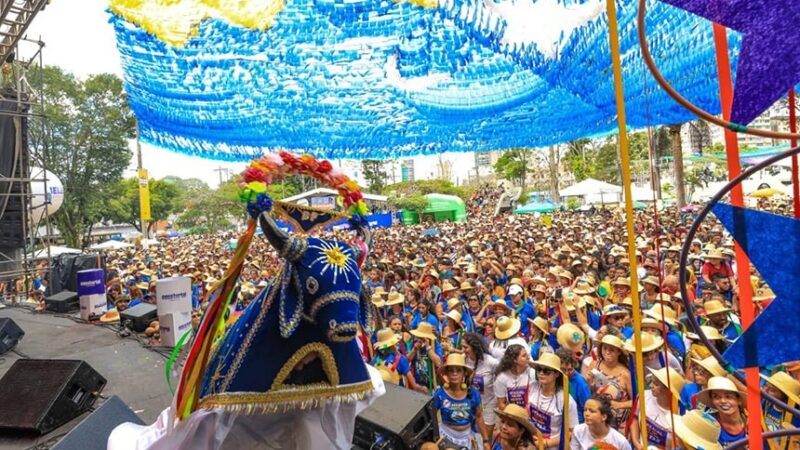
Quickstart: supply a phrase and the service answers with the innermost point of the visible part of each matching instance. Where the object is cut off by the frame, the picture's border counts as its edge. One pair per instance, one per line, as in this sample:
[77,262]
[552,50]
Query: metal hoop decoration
[651,65]
[277,166]
[685,292]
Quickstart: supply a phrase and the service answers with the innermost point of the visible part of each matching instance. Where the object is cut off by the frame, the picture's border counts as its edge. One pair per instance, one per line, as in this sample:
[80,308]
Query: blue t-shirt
[688,393]
[580,391]
[675,342]
[457,412]
[524,312]
[430,318]
[732,331]
[402,367]
[726,438]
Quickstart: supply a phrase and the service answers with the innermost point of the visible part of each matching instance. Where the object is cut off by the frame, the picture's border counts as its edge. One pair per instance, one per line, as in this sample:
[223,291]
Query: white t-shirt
[659,422]
[514,388]
[546,412]
[674,364]
[498,348]
[582,439]
[483,380]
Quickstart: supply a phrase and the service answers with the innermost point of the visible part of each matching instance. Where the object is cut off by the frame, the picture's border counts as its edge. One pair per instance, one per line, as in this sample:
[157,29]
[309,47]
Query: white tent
[642,194]
[55,250]
[594,191]
[111,245]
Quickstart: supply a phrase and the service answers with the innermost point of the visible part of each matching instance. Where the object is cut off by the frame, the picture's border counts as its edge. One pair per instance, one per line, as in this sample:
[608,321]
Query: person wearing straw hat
[718,316]
[782,386]
[515,431]
[722,396]
[514,376]
[611,378]
[425,355]
[701,371]
[653,354]
[618,316]
[453,331]
[540,332]
[715,264]
[547,401]
[424,314]
[661,402]
[697,430]
[483,373]
[459,406]
[665,314]
[596,428]
[392,365]
[506,333]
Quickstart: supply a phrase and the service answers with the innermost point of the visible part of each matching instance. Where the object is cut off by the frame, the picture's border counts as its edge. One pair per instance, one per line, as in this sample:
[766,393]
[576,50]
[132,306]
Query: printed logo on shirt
[518,396]
[477,381]
[541,419]
[656,435]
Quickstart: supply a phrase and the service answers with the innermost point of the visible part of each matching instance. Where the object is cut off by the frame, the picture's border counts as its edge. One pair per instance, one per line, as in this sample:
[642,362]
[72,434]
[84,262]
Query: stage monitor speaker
[64,270]
[14,164]
[40,395]
[10,334]
[63,302]
[139,317]
[401,419]
[92,433]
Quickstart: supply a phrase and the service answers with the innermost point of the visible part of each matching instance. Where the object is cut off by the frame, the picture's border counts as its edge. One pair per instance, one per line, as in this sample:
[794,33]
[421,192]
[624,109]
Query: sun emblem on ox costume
[336,259]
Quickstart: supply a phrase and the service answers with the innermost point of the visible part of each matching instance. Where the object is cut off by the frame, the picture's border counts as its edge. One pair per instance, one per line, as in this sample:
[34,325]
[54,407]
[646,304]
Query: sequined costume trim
[325,300]
[323,352]
[344,332]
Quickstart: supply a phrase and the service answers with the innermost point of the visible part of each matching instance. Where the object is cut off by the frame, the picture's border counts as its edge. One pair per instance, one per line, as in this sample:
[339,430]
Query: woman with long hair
[515,431]
[459,406]
[611,378]
[598,415]
[483,367]
[547,407]
[661,402]
[513,377]
[399,327]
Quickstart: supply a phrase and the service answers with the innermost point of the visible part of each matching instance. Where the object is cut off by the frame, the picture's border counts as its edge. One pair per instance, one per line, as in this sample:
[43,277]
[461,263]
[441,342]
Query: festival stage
[134,373]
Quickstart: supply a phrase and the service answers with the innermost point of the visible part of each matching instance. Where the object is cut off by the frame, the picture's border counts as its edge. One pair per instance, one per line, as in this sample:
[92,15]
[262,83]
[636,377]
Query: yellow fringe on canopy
[176,21]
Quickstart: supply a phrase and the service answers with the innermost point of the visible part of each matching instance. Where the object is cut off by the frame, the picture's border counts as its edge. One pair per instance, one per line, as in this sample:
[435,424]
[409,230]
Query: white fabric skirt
[467,438]
[329,427]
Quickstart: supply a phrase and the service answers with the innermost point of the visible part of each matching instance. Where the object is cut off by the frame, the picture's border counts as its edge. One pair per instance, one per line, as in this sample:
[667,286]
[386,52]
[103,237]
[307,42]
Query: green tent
[440,208]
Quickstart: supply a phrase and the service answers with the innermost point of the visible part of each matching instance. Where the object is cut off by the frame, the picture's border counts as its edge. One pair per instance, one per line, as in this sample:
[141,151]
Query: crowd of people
[521,332]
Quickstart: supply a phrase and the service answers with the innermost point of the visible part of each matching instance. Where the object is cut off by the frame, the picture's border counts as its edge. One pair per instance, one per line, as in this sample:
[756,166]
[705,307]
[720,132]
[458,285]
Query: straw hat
[395,298]
[517,414]
[613,310]
[455,315]
[698,430]
[675,383]
[651,280]
[515,281]
[711,365]
[786,383]
[649,322]
[424,330]
[386,338]
[550,361]
[715,307]
[471,270]
[500,302]
[570,336]
[419,262]
[649,343]
[540,323]
[447,287]
[712,334]
[434,274]
[540,288]
[110,316]
[719,384]
[379,290]
[614,341]
[763,294]
[669,315]
[714,254]
[377,300]
[456,360]
[466,286]
[506,327]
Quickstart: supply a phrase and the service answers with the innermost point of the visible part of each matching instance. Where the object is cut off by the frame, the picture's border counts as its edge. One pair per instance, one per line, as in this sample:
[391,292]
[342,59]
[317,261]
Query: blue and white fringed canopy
[230,79]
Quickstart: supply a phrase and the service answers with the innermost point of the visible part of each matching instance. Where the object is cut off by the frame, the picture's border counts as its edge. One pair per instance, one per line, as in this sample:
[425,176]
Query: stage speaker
[10,334]
[139,317]
[40,395]
[401,419]
[92,433]
[14,164]
[64,270]
[63,302]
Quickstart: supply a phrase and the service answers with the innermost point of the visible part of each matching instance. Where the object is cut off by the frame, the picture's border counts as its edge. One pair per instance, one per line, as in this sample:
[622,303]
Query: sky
[79,39]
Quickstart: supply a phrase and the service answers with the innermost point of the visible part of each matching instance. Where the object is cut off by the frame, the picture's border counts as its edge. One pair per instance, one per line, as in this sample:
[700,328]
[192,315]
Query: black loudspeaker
[139,317]
[14,160]
[10,334]
[64,270]
[63,302]
[401,419]
[92,433]
[40,395]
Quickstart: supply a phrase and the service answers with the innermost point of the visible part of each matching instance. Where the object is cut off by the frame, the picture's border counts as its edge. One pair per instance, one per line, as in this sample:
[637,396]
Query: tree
[165,198]
[578,162]
[375,174]
[677,156]
[411,203]
[513,166]
[422,187]
[86,136]
[212,210]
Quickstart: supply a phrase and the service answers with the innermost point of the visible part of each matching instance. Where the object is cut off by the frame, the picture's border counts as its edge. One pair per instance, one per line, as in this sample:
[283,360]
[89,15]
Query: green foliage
[212,210]
[523,199]
[375,174]
[715,149]
[165,198]
[572,203]
[668,189]
[412,203]
[513,165]
[422,187]
[86,134]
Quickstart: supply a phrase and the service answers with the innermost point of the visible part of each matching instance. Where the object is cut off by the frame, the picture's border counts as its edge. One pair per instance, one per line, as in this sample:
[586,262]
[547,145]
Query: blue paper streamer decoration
[387,79]
[772,243]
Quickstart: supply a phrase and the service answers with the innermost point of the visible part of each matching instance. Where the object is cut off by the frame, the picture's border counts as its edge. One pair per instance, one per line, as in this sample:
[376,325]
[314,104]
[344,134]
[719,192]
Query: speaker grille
[30,388]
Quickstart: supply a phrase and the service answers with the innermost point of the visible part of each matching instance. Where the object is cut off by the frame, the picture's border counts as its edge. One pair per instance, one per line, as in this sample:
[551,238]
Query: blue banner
[380,220]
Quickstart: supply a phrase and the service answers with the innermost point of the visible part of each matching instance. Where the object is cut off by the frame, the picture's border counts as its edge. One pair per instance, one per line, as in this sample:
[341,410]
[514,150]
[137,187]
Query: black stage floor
[134,373]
